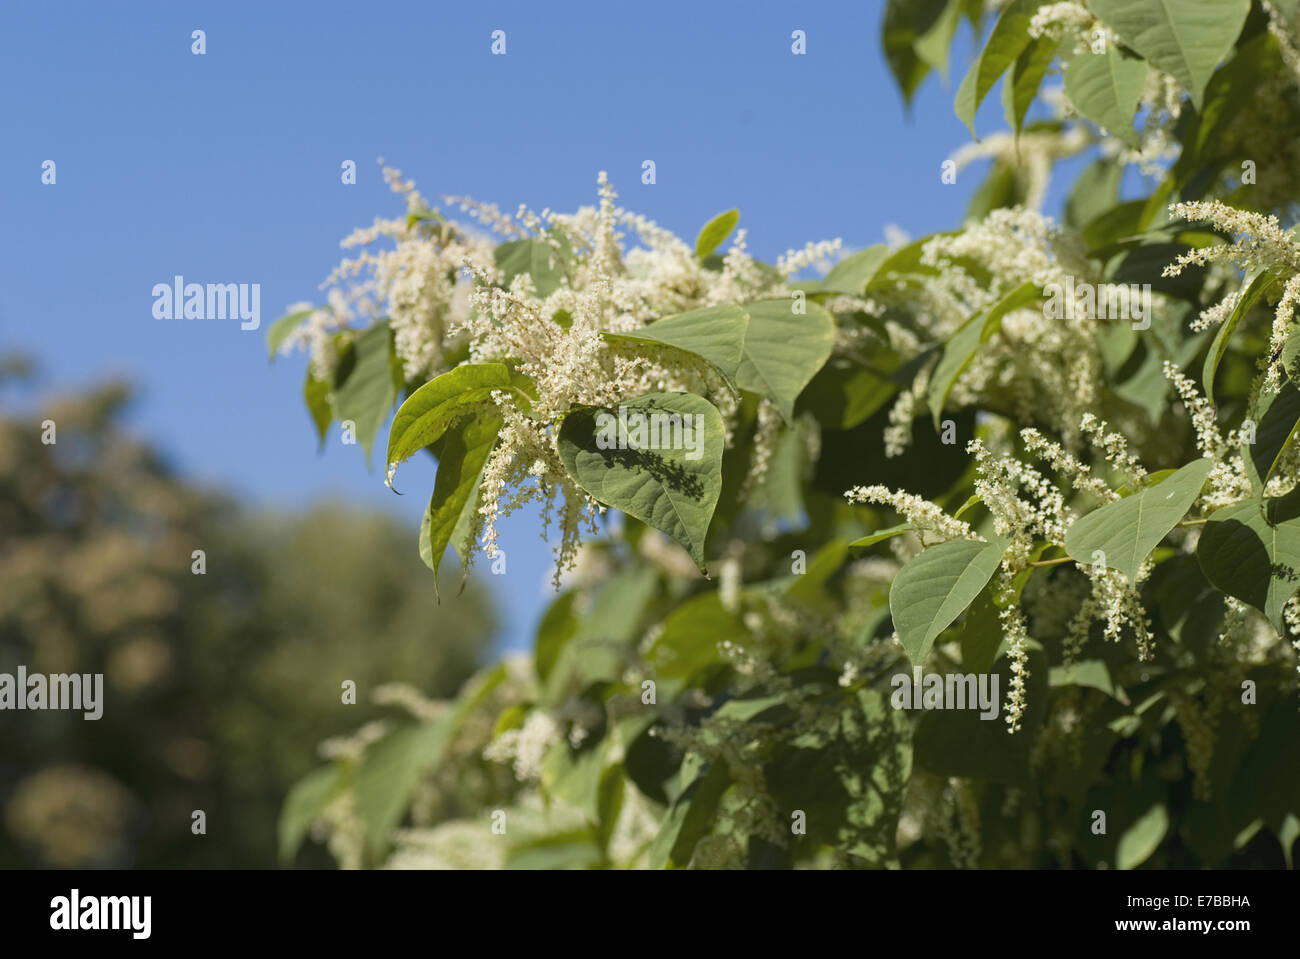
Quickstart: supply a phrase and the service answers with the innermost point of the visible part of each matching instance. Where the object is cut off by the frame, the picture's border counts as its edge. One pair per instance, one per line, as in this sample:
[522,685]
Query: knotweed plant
[1051,451]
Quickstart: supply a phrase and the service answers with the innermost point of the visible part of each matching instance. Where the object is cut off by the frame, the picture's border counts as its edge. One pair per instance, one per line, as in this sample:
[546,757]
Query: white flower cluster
[1057,20]
[448,301]
[934,525]
[526,747]
[1258,242]
[1043,367]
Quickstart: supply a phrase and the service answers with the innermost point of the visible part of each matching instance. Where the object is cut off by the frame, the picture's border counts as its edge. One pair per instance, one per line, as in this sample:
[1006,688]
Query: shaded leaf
[462,453]
[1251,550]
[675,490]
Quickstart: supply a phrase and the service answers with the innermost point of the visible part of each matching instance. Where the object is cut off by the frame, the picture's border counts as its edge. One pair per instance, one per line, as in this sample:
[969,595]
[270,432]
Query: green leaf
[689,819]
[390,769]
[1113,224]
[609,802]
[435,406]
[934,37]
[1006,42]
[933,589]
[559,625]
[981,635]
[1001,188]
[572,849]
[1093,673]
[970,336]
[1105,88]
[419,216]
[1095,192]
[279,331]
[305,801]
[1229,93]
[905,22]
[907,260]
[1290,358]
[1251,550]
[600,646]
[573,775]
[1252,288]
[1128,529]
[884,534]
[1278,417]
[1140,839]
[537,258]
[316,394]
[716,334]
[808,587]
[366,391]
[1026,76]
[843,394]
[680,651]
[1185,38]
[715,232]
[784,350]
[675,490]
[388,774]
[749,709]
[852,274]
[462,452]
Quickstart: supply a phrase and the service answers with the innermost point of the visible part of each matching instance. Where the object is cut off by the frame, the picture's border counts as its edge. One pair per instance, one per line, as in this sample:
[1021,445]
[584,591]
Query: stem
[1053,562]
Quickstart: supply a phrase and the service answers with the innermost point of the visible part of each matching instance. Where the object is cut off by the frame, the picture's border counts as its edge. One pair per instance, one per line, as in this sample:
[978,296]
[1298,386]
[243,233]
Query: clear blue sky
[225,168]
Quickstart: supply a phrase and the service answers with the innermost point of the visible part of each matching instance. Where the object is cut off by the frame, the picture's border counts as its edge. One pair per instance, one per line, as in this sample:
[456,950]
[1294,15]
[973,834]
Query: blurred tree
[216,686]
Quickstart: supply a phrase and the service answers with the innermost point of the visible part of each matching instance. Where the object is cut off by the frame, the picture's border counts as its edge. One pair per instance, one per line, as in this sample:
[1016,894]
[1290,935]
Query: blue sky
[225,168]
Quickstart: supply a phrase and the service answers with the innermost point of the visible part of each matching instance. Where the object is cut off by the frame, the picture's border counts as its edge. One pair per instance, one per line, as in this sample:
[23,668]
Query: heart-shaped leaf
[784,350]
[933,589]
[658,458]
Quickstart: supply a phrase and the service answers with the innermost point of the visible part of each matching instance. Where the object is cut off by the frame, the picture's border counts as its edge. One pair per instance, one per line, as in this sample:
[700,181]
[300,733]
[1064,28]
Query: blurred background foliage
[217,687]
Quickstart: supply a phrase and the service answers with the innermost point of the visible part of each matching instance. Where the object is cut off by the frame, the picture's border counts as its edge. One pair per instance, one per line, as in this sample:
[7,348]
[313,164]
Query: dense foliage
[1054,451]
